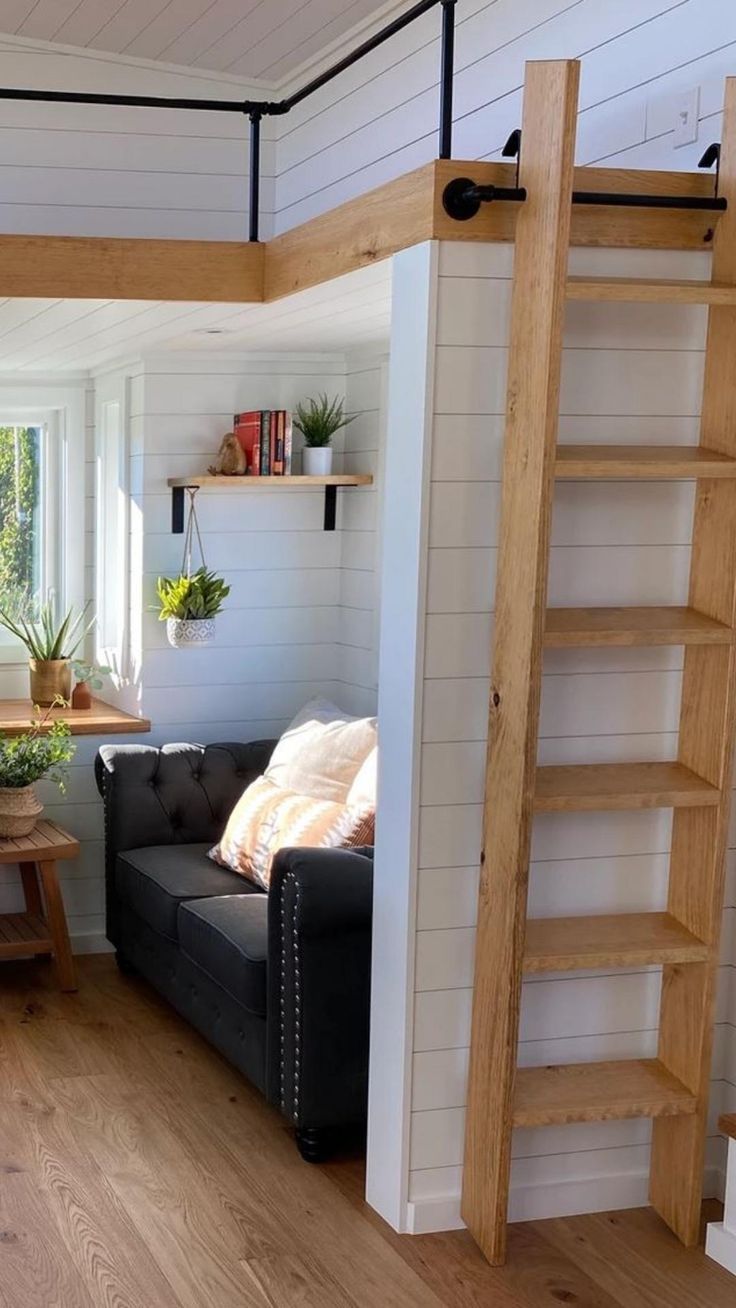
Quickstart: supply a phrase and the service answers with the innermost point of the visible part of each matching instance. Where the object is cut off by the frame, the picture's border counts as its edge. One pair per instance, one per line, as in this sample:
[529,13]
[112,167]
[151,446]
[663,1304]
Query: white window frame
[61,410]
[112,521]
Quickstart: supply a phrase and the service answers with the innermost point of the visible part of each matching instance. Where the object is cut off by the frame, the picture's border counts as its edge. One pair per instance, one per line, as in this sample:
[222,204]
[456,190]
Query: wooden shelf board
[17,715]
[577,787]
[23,933]
[650,462]
[243,482]
[566,628]
[565,944]
[598,1092]
[649,290]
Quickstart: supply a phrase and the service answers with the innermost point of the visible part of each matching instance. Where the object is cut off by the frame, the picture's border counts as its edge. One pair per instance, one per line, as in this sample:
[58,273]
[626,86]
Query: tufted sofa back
[179,794]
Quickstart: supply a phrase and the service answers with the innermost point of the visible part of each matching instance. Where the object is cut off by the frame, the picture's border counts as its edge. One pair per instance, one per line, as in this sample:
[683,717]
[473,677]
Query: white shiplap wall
[110,171]
[631,373]
[279,639]
[379,119]
[363,445]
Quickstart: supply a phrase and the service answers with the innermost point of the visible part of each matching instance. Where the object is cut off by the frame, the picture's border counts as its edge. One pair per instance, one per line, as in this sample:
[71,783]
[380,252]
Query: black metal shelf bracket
[178,501]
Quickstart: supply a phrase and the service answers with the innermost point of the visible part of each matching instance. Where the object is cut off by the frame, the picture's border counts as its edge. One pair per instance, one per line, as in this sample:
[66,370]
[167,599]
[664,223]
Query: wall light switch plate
[686,117]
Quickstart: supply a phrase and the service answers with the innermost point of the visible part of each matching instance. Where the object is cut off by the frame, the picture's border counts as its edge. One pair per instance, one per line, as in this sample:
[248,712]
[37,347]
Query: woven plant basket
[19,811]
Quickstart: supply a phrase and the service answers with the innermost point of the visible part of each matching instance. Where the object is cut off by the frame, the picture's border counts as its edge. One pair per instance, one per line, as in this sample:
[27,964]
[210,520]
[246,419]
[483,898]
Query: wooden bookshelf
[213,481]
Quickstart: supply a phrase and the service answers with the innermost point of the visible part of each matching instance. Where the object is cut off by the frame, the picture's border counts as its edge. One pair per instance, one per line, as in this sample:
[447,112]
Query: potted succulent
[43,750]
[318,420]
[188,606]
[51,643]
[87,677]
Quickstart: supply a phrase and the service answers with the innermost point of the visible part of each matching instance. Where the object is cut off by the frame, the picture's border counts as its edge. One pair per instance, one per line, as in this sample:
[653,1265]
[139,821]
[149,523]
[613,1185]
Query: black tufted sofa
[279,983]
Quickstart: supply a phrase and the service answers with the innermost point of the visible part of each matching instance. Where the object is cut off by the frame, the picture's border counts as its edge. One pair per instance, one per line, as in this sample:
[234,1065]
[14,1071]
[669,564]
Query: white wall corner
[401,658]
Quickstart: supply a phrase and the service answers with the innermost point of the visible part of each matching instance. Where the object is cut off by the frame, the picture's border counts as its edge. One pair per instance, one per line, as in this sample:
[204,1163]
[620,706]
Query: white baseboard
[566,1198]
[91,942]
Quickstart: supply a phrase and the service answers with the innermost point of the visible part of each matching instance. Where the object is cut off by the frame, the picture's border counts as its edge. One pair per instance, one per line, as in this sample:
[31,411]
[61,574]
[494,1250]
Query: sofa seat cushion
[153,882]
[228,938]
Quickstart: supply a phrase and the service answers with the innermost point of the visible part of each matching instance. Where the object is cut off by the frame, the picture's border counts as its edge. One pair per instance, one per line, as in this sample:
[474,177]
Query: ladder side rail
[706,734]
[535,355]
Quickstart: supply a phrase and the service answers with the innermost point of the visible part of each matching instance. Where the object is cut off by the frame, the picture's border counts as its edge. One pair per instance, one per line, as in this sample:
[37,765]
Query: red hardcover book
[247,428]
[278,463]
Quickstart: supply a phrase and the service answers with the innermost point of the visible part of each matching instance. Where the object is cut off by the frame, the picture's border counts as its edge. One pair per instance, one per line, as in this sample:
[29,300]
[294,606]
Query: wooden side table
[36,932]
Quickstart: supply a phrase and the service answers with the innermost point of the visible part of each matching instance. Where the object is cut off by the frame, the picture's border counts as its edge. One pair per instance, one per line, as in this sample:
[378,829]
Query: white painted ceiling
[248,38]
[77,335]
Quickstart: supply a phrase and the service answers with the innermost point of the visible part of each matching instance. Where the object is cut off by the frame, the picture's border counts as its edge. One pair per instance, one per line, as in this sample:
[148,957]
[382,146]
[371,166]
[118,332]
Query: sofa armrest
[179,794]
[319,952]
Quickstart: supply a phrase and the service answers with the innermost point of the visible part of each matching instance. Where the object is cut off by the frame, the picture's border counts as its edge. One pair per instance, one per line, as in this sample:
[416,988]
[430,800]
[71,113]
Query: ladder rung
[651,462]
[598,1092]
[574,787]
[633,626]
[564,944]
[650,290]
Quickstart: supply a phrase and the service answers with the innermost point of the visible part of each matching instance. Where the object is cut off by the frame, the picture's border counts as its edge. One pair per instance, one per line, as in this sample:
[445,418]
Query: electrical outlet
[686,117]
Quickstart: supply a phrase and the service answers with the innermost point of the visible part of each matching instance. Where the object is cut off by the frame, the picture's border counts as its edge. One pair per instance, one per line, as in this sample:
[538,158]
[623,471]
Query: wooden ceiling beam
[363,231]
[106,268]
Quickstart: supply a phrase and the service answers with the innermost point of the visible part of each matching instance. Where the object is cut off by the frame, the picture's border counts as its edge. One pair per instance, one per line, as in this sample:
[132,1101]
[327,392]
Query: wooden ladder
[672,1088]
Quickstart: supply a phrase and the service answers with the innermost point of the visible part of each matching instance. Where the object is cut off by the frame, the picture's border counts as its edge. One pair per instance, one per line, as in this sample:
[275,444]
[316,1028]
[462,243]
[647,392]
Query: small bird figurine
[231,461]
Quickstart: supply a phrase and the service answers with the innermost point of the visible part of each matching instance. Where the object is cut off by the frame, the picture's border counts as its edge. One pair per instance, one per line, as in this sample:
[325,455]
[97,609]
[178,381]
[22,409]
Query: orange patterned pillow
[267,818]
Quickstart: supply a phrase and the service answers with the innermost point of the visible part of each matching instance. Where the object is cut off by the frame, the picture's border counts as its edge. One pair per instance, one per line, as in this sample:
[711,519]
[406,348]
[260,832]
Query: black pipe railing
[257,110]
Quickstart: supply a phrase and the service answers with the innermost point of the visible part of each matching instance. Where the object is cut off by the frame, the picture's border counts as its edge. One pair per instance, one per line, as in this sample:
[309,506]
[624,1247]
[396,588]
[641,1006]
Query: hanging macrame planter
[186,633]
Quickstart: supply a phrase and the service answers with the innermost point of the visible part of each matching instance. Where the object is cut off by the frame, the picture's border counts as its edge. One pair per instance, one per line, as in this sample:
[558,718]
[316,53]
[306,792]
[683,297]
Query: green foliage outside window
[19,492]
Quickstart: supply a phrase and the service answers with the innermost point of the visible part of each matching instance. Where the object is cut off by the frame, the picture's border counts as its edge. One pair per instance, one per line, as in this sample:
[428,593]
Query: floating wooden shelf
[564,944]
[650,462]
[598,1092]
[17,715]
[650,291]
[576,787]
[238,483]
[567,628]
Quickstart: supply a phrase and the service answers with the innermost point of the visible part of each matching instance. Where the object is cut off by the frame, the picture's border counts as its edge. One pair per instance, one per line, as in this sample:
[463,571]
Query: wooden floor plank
[164,1180]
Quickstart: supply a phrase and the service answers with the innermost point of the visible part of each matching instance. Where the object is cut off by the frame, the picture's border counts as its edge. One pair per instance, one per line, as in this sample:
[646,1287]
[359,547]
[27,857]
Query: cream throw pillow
[268,818]
[322,751]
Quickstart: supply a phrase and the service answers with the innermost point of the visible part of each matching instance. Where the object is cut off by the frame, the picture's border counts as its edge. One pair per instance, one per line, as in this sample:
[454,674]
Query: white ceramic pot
[317,460]
[184,633]
[19,811]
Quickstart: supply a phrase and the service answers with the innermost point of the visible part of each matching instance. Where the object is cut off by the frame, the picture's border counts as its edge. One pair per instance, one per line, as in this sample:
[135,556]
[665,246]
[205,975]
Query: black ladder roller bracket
[462,197]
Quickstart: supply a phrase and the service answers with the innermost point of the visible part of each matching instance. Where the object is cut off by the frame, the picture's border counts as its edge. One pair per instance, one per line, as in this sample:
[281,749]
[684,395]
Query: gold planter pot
[50,678]
[19,811]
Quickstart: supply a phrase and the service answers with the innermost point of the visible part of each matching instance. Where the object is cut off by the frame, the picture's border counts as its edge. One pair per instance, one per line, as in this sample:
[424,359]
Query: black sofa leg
[124,964]
[315,1144]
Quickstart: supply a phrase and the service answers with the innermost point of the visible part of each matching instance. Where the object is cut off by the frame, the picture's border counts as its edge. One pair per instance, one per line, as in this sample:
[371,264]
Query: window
[113,521]
[41,502]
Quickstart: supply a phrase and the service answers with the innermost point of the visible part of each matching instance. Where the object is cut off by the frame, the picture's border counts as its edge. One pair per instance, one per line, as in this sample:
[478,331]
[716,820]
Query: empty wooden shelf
[598,1092]
[563,944]
[567,628]
[652,291]
[644,462]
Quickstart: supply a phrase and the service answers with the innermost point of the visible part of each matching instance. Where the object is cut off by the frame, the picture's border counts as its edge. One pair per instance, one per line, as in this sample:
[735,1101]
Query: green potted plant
[43,750]
[189,605]
[318,420]
[87,677]
[51,643]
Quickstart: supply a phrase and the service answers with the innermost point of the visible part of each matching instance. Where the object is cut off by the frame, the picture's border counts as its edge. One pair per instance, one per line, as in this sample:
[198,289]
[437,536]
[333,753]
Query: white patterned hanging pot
[187,633]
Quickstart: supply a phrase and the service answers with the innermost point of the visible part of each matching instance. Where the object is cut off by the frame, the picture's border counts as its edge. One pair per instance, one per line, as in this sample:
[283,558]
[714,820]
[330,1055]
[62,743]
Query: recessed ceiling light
[213,331]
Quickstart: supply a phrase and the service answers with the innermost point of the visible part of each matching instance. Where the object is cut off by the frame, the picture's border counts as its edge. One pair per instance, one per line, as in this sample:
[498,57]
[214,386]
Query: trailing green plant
[318,420]
[89,673]
[35,625]
[189,598]
[41,751]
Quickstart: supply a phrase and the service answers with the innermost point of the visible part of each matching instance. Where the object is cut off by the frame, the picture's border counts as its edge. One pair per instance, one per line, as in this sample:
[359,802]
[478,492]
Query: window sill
[16,716]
